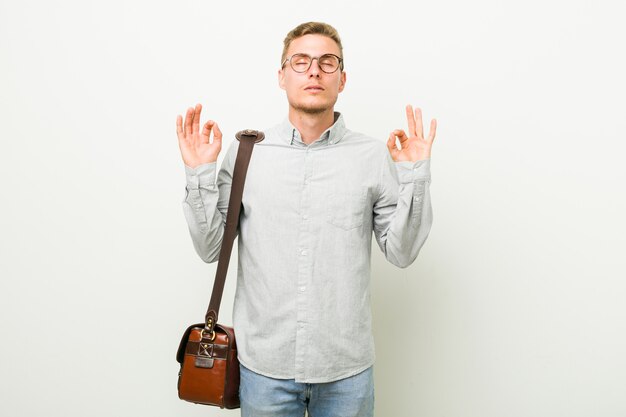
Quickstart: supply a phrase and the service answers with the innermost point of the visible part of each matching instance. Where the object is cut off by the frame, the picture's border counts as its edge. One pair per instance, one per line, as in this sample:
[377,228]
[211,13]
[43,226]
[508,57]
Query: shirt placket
[304,269]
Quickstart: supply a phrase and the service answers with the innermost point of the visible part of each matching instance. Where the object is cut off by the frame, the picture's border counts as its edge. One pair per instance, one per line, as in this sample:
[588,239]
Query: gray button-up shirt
[302,301]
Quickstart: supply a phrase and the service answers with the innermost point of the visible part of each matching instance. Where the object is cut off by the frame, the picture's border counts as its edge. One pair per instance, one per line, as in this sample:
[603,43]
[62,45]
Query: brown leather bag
[209,369]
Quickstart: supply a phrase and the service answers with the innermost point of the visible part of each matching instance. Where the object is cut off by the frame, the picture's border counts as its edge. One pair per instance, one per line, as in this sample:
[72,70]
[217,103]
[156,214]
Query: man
[314,193]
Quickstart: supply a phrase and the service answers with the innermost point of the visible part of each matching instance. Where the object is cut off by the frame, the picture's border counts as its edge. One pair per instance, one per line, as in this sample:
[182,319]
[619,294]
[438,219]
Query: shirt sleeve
[403,212]
[206,203]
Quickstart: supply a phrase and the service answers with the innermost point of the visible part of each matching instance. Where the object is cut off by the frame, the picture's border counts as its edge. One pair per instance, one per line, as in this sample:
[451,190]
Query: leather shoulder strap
[247,138]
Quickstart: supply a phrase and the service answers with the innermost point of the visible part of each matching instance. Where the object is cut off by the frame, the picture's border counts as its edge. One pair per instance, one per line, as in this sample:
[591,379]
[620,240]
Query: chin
[313,108]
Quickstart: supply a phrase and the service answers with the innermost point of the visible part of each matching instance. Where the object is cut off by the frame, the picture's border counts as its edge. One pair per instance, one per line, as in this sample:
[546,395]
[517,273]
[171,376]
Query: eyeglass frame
[340,66]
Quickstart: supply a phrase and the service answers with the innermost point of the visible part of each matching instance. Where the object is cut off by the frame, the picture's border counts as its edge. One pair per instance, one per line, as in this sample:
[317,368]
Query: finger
[401,136]
[433,130]
[188,120]
[419,128]
[196,120]
[179,127]
[410,119]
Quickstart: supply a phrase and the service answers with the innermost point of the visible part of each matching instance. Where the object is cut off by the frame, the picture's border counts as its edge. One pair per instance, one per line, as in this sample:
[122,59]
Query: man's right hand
[194,144]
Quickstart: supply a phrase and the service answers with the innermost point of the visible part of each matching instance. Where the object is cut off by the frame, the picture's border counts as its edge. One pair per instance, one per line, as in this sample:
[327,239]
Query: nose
[314,69]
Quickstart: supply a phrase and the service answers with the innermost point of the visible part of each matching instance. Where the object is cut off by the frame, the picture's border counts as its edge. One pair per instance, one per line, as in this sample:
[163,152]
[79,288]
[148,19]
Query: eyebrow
[304,53]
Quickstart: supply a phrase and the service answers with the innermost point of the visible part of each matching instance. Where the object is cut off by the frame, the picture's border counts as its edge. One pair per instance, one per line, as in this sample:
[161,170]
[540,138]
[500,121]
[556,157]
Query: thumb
[217,133]
[391,143]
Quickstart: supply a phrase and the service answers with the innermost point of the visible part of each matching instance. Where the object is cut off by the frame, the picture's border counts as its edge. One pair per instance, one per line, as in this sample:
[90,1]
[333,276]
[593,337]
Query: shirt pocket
[346,209]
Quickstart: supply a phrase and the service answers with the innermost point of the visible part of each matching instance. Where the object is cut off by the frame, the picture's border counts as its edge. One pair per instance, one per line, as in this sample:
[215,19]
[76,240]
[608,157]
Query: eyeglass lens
[327,63]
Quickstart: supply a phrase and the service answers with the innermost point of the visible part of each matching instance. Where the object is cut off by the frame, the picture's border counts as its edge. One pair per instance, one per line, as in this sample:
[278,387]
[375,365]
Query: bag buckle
[210,337]
[257,134]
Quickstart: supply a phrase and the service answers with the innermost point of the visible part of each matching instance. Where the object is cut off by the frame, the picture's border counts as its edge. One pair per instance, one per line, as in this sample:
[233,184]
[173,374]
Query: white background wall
[515,306]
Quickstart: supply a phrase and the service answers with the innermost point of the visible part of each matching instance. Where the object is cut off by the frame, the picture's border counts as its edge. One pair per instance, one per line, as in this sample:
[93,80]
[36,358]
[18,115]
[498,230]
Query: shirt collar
[330,136]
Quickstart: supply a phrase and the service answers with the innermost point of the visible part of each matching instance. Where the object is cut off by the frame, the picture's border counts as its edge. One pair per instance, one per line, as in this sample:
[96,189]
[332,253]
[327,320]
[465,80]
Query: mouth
[314,88]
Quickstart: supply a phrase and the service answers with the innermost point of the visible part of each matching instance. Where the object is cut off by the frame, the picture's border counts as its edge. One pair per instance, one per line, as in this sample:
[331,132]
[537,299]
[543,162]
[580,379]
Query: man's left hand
[413,147]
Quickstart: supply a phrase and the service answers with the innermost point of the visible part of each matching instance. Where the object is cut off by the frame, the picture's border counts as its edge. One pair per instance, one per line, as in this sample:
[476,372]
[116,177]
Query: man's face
[299,86]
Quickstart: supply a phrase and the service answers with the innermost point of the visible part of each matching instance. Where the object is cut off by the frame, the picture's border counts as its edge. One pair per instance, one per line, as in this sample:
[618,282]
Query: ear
[281,79]
[342,81]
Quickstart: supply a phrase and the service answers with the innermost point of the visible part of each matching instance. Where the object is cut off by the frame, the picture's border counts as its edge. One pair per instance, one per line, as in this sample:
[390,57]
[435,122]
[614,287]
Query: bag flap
[180,354]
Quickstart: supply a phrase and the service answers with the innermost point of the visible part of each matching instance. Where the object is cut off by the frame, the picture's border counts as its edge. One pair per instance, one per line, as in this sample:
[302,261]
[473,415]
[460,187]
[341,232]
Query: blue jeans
[262,396]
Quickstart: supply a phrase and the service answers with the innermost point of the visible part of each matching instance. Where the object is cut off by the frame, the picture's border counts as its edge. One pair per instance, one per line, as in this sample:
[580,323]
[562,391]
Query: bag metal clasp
[257,134]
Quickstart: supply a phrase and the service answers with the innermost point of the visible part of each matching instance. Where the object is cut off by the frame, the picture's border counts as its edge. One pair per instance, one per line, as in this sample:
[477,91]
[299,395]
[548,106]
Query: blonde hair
[311,28]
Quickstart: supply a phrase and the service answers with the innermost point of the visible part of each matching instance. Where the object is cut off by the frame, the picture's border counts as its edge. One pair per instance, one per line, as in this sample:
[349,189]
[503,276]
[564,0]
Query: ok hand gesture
[413,147]
[194,144]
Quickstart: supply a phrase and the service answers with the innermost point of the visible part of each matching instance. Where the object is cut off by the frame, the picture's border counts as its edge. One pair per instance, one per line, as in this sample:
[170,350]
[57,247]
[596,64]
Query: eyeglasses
[328,63]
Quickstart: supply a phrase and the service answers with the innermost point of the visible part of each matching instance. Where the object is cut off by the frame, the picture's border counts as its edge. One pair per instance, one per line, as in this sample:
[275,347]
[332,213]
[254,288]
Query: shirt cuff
[409,172]
[202,175]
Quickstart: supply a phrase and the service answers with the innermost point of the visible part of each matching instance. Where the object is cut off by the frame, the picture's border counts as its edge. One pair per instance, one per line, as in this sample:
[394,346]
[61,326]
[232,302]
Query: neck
[311,125]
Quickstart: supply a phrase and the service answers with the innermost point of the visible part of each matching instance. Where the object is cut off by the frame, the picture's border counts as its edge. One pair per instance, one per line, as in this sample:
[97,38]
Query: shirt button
[304,216]
[303,252]
[302,289]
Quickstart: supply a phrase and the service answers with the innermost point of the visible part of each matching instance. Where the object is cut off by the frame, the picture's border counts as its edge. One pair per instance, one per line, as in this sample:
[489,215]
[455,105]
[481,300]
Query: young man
[314,193]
